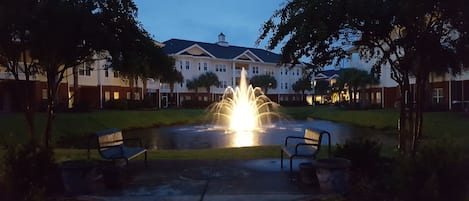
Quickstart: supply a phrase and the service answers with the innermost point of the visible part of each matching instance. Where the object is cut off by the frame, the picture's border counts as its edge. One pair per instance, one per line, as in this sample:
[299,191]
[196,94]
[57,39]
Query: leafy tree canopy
[303,84]
[411,37]
[265,82]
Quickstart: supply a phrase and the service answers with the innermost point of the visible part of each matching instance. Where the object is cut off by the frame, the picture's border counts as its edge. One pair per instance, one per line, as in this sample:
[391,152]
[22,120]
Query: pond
[207,136]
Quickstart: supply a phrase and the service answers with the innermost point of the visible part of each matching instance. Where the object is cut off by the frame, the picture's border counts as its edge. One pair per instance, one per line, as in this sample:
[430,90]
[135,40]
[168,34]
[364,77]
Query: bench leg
[291,168]
[281,158]
[146,163]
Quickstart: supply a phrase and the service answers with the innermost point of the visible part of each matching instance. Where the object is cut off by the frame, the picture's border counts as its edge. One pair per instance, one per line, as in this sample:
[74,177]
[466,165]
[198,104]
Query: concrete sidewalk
[197,180]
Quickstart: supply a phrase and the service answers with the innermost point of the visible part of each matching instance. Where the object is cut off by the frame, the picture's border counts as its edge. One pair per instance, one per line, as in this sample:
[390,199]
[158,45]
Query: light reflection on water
[210,136]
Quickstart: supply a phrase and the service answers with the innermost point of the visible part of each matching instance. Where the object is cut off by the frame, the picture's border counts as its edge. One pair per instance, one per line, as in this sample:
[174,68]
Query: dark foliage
[369,173]
[30,172]
[437,172]
[196,104]
[293,103]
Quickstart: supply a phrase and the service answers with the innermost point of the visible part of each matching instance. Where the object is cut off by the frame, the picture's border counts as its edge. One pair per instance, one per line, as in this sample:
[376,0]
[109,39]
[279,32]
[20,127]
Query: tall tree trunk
[52,87]
[75,86]
[131,87]
[421,82]
[406,119]
[144,88]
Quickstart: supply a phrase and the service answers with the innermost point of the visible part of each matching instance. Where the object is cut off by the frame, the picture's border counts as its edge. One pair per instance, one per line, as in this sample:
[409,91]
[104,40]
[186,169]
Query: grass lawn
[80,124]
[220,153]
[437,125]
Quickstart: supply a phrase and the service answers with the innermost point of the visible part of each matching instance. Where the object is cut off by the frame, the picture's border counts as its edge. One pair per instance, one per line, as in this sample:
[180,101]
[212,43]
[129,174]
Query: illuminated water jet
[244,108]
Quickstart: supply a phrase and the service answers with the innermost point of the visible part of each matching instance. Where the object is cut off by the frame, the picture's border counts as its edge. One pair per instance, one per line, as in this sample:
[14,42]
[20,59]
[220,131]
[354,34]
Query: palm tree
[265,82]
[354,79]
[173,76]
[303,84]
[193,84]
[207,80]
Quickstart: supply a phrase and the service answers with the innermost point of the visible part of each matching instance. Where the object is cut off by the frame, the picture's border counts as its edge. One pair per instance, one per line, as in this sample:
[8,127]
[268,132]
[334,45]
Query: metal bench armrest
[304,144]
[328,142]
[295,137]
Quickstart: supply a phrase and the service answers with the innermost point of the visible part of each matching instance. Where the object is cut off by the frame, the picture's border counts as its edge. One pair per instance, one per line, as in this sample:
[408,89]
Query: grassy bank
[220,153]
[80,124]
[437,125]
[75,125]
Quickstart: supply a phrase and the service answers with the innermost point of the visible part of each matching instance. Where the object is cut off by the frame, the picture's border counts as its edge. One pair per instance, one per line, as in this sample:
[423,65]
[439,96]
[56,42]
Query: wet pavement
[197,180]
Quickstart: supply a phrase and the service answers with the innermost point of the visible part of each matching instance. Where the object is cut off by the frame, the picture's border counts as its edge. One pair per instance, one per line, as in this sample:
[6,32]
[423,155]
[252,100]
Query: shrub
[437,172]
[194,104]
[293,103]
[29,171]
[369,172]
[120,104]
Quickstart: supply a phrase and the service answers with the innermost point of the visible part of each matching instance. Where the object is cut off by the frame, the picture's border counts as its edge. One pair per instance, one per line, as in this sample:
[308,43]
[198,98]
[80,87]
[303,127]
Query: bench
[111,146]
[307,146]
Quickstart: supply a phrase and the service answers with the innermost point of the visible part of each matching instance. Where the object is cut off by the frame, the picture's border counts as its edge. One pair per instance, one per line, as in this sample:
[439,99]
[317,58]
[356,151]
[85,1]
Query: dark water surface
[206,136]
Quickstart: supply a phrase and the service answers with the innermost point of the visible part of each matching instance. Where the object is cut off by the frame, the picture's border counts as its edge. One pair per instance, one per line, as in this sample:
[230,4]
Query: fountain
[244,109]
[244,117]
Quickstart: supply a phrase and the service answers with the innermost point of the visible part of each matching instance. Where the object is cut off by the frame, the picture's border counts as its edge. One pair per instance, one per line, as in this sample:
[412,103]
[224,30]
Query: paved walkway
[197,180]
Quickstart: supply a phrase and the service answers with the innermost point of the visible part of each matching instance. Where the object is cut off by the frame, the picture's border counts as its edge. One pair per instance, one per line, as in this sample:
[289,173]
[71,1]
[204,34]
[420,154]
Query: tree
[265,82]
[303,84]
[353,79]
[173,76]
[15,44]
[57,35]
[411,37]
[322,87]
[208,80]
[193,85]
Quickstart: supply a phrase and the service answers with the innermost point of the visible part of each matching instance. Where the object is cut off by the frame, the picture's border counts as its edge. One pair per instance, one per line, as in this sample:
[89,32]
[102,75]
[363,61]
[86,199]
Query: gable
[248,56]
[195,50]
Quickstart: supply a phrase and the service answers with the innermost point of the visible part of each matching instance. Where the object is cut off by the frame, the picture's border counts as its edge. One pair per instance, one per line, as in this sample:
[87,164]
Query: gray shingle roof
[173,46]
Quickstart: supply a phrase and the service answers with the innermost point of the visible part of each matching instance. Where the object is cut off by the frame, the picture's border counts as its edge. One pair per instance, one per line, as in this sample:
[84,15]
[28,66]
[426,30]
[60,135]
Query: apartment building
[445,91]
[194,58]
[97,85]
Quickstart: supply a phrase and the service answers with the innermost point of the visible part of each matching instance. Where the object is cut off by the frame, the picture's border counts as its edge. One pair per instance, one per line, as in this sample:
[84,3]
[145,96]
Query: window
[220,68]
[106,73]
[107,96]
[255,70]
[116,74]
[84,70]
[205,66]
[281,85]
[286,85]
[297,71]
[378,97]
[128,95]
[44,94]
[137,96]
[199,66]
[116,95]
[180,64]
[225,84]
[188,65]
[437,95]
[269,71]
[81,70]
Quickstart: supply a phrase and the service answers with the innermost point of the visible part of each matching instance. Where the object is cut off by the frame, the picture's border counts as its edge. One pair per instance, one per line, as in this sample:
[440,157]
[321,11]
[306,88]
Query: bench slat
[111,146]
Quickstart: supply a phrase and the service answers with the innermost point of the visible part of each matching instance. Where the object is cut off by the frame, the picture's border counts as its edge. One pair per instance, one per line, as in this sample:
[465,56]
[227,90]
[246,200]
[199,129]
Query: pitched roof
[330,73]
[174,46]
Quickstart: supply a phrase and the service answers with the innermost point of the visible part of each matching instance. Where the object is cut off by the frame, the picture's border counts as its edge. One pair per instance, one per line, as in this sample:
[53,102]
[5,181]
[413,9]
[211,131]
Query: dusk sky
[203,20]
